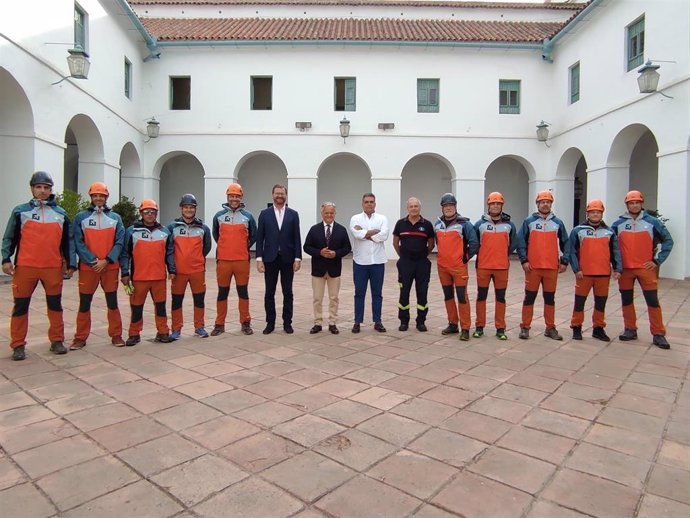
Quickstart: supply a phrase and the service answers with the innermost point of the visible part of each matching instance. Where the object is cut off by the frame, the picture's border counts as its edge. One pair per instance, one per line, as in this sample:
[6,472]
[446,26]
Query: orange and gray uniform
[637,238]
[234,232]
[496,240]
[98,234]
[594,252]
[39,233]
[191,244]
[146,254]
[538,242]
[456,242]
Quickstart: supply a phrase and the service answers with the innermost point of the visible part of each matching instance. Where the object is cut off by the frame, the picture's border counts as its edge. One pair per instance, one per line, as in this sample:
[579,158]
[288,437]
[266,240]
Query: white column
[387,192]
[564,206]
[673,193]
[111,177]
[609,184]
[470,195]
[89,172]
[302,198]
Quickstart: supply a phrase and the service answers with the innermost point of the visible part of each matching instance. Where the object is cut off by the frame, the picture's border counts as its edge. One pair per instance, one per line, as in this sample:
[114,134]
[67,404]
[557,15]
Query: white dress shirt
[279,212]
[369,251]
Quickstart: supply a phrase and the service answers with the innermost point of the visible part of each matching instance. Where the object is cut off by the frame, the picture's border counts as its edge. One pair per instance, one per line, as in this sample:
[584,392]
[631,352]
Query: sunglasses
[149,212]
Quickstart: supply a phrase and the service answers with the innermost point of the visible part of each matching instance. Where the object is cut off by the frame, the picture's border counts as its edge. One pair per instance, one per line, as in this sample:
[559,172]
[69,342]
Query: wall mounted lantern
[344,128]
[648,80]
[153,128]
[78,63]
[543,131]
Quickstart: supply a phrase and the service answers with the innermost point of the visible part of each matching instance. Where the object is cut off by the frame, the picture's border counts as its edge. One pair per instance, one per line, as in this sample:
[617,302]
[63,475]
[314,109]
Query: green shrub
[72,202]
[127,210]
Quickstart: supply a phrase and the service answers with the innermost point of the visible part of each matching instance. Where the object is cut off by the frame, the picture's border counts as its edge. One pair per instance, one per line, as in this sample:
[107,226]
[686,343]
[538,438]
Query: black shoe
[316,329]
[465,335]
[501,334]
[133,340]
[218,330]
[627,335]
[524,333]
[661,342]
[268,329]
[247,328]
[421,327]
[378,326]
[58,348]
[19,353]
[553,333]
[600,334]
[478,332]
[355,328]
[404,326]
[288,329]
[450,330]
[163,338]
[577,333]
[333,329]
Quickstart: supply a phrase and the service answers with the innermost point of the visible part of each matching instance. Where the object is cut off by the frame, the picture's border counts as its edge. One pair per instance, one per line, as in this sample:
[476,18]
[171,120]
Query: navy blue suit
[278,248]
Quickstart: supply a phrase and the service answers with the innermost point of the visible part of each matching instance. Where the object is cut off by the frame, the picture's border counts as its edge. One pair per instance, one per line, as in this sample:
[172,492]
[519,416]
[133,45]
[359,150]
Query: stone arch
[84,156]
[571,176]
[179,172]
[258,172]
[342,179]
[426,176]
[512,176]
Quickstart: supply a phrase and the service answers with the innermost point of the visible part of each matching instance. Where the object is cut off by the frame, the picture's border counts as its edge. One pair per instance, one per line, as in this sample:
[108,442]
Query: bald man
[413,240]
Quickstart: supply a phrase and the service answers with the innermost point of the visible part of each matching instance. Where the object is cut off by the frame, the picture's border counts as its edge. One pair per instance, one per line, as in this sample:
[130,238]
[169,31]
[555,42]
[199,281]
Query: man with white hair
[413,240]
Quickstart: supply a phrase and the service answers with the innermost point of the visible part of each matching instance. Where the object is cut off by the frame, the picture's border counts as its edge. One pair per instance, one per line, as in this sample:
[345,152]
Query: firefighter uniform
[496,240]
[191,245]
[147,252]
[456,243]
[540,241]
[413,266]
[235,233]
[98,234]
[592,250]
[638,237]
[39,233]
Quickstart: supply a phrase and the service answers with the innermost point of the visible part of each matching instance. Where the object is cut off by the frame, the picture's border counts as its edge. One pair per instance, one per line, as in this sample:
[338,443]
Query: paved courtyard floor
[369,425]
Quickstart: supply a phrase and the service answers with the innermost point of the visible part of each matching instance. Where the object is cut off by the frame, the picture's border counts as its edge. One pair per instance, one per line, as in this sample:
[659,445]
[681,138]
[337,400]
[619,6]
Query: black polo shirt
[414,239]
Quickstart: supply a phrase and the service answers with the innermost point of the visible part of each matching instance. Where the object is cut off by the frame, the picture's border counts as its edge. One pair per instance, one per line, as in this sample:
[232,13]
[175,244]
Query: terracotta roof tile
[346,29]
[413,3]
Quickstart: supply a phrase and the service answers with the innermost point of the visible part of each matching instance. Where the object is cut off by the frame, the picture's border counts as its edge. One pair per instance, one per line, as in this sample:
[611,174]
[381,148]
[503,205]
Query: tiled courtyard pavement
[368,425]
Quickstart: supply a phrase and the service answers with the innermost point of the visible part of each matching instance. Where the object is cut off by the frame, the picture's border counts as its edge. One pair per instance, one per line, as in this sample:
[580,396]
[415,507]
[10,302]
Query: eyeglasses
[149,212]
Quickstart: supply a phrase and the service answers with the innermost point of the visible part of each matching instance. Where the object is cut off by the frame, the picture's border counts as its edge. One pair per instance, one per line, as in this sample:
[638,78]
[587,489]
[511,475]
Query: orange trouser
[648,283]
[136,302]
[24,283]
[600,283]
[197,281]
[88,283]
[500,278]
[454,283]
[548,280]
[224,272]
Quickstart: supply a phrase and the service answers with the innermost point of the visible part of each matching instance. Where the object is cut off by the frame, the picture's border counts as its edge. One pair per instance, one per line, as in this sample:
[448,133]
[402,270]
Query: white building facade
[440,96]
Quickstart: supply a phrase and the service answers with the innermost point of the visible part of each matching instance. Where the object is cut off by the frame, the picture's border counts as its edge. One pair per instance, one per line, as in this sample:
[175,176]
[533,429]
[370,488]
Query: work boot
[58,348]
[163,338]
[77,344]
[501,334]
[201,332]
[465,335]
[478,332]
[600,334]
[421,327]
[133,340]
[404,326]
[553,333]
[175,335]
[219,330]
[117,341]
[246,329]
[524,333]
[661,342]
[628,335]
[19,353]
[577,333]
[450,330]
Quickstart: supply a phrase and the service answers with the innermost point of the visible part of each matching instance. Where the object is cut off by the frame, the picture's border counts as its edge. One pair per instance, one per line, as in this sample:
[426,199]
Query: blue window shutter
[350,94]
[575,83]
[636,44]
[509,96]
[427,95]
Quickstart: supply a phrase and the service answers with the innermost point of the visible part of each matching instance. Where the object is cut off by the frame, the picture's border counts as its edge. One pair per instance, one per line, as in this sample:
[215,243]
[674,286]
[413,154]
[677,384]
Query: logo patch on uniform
[36,217]
[92,223]
[183,231]
[538,226]
[145,235]
[590,232]
[489,227]
[227,218]
[628,226]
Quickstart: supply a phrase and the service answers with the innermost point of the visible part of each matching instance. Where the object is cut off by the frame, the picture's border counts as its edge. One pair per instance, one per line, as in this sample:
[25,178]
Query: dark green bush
[127,210]
[72,202]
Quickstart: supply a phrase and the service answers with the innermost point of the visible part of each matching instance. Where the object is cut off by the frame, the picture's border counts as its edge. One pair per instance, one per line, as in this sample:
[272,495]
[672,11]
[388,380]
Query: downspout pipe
[151,43]
[549,43]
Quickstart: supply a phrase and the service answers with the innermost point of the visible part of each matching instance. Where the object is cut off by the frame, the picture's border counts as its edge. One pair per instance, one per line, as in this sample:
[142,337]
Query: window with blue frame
[345,92]
[128,79]
[509,96]
[80,28]
[427,95]
[635,41]
[574,73]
